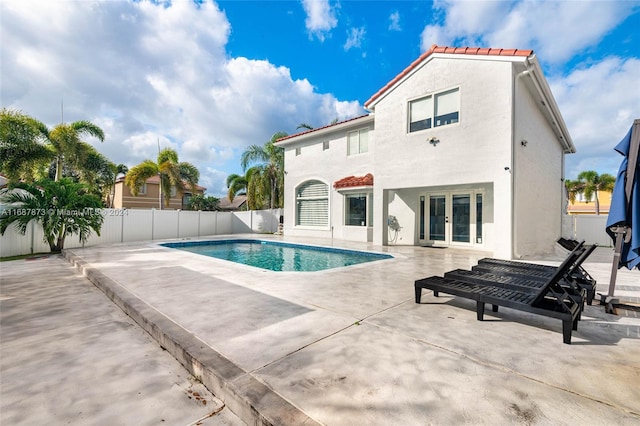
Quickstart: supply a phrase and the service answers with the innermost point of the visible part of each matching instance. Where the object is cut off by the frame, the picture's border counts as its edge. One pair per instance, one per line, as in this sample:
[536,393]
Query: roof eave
[553,111]
[486,54]
[300,137]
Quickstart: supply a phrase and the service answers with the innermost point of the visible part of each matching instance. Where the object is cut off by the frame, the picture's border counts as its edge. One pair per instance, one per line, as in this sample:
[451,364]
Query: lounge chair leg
[575,323]
[418,294]
[480,310]
[494,308]
[435,293]
[567,325]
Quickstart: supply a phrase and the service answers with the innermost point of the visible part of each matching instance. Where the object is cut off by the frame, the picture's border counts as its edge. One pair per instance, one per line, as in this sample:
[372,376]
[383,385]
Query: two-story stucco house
[465,147]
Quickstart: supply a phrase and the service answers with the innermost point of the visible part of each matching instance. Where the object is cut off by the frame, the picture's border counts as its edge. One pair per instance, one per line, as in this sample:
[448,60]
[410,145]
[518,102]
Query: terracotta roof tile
[448,50]
[354,181]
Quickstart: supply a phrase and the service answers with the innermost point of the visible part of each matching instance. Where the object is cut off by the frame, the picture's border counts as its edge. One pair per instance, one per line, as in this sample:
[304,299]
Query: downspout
[514,236]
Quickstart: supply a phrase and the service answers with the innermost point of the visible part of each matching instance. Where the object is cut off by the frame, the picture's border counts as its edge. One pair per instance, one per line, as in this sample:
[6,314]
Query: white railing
[590,228]
[121,226]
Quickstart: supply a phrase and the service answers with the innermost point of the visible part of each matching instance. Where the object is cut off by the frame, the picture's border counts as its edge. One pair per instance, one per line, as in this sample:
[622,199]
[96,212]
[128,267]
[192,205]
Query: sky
[211,78]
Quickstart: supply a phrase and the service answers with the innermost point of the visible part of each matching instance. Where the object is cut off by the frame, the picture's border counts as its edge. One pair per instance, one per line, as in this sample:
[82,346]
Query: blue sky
[210,78]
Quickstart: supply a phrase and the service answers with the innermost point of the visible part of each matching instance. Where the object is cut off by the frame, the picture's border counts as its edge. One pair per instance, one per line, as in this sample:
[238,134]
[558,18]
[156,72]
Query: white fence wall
[590,228]
[122,226]
[148,225]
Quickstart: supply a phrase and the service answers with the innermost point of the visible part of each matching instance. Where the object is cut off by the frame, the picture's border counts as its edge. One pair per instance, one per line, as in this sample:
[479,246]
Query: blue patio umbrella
[623,223]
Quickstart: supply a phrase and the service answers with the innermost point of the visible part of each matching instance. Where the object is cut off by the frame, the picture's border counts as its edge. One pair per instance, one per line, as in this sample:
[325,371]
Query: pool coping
[251,400]
[374,255]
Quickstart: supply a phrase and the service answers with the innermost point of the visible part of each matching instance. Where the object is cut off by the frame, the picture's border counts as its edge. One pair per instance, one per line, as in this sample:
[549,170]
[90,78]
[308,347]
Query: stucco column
[380,214]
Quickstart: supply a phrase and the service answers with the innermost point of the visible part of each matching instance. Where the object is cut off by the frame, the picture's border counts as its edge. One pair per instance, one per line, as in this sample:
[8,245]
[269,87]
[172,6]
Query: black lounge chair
[577,275]
[551,300]
[567,244]
[520,283]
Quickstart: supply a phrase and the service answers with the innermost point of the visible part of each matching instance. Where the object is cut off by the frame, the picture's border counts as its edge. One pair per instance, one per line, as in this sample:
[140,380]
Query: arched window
[312,204]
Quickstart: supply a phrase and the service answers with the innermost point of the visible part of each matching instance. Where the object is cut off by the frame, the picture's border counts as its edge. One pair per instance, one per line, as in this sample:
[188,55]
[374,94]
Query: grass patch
[26,256]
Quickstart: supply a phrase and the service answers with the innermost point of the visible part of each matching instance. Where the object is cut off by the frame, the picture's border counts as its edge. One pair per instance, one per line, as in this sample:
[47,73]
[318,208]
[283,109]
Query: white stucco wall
[537,174]
[327,166]
[475,150]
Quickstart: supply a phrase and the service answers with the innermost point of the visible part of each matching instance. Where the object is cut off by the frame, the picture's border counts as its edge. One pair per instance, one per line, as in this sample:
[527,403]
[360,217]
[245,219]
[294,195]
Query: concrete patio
[350,346]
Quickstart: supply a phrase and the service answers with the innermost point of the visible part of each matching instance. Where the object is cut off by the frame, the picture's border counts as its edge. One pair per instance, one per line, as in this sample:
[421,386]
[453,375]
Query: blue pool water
[277,256]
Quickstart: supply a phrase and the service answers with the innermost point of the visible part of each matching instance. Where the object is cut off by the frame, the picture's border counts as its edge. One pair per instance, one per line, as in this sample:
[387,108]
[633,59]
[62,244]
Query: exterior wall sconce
[434,141]
[523,142]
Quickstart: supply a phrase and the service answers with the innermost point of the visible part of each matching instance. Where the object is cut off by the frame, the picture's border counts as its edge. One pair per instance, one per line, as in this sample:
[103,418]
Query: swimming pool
[278,256]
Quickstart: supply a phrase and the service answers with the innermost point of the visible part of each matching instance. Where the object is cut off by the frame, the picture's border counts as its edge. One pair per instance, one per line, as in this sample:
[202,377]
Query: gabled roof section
[330,127]
[354,181]
[435,49]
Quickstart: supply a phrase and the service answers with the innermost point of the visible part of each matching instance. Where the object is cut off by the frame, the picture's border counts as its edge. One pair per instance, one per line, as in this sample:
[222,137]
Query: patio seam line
[250,399]
[506,370]
[255,370]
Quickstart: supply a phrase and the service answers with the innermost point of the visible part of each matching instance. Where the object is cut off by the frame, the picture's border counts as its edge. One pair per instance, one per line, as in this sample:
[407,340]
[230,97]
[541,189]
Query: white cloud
[146,72]
[354,38]
[556,30]
[321,18]
[599,104]
[394,21]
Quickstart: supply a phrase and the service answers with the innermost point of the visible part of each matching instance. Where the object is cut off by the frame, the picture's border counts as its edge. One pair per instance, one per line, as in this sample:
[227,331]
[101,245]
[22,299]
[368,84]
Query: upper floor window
[434,110]
[298,151]
[174,191]
[325,145]
[358,142]
[142,190]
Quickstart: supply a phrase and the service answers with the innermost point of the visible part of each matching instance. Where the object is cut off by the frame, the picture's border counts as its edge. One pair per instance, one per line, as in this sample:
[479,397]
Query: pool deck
[350,346]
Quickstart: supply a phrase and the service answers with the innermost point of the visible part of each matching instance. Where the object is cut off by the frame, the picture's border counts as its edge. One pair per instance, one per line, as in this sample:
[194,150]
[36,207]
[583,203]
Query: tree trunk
[58,168]
[597,204]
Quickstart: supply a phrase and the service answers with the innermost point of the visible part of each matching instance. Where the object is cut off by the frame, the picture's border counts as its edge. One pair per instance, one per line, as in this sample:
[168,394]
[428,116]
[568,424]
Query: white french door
[450,218]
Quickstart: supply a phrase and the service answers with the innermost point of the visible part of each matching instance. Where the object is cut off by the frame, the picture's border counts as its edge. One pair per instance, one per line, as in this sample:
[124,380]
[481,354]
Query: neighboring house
[148,197]
[584,206]
[465,147]
[239,203]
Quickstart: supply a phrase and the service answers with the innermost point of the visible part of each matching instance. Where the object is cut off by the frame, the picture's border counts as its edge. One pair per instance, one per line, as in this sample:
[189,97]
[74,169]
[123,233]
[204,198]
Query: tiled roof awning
[354,181]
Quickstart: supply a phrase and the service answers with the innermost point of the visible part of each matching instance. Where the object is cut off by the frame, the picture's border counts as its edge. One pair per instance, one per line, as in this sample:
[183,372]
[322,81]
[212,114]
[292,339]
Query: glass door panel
[437,217]
[461,218]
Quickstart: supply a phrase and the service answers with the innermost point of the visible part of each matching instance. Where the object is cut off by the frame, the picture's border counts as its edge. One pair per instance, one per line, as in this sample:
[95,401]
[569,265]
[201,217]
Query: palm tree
[238,184]
[594,183]
[573,187]
[21,147]
[304,126]
[266,181]
[200,202]
[68,149]
[172,174]
[61,207]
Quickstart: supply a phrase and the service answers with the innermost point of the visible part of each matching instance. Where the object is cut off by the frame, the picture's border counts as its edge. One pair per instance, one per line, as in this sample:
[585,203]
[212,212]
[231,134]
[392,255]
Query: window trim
[349,153]
[432,117]
[368,214]
[298,199]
